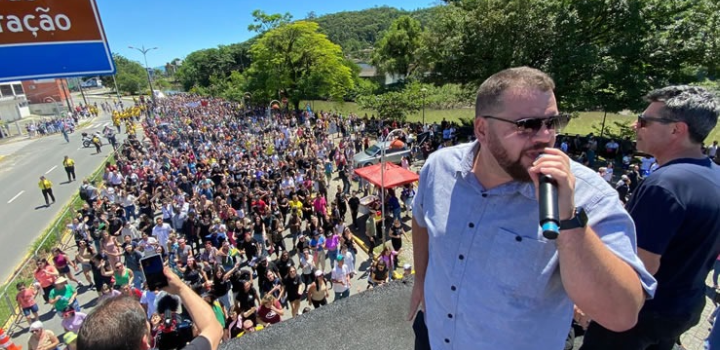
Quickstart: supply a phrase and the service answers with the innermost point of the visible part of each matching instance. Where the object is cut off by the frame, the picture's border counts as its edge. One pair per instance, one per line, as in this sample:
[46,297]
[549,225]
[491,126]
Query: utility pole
[82,92]
[68,96]
[117,92]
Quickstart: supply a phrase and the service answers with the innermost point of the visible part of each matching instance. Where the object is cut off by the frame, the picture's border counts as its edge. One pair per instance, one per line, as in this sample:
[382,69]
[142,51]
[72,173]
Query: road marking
[51,169]
[17,195]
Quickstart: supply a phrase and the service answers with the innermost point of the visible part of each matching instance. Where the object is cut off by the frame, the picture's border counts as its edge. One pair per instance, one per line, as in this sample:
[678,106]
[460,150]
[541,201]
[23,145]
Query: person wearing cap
[318,291]
[46,189]
[42,339]
[64,295]
[341,279]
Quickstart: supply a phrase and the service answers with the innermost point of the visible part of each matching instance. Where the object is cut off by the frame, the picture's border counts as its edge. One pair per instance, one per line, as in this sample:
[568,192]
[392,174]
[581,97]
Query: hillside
[357,31]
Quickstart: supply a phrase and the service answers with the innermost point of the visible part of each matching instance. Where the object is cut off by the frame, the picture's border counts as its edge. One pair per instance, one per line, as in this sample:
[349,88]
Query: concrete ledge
[373,319]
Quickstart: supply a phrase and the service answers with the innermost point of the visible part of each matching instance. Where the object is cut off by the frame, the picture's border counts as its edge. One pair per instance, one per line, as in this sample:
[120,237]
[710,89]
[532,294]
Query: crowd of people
[219,191]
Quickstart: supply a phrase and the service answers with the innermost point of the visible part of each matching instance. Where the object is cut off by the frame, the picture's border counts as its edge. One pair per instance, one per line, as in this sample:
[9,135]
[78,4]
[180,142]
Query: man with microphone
[488,275]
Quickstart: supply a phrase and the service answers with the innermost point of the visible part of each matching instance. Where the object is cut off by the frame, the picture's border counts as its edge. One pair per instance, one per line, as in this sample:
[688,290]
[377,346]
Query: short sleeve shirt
[492,280]
[675,210]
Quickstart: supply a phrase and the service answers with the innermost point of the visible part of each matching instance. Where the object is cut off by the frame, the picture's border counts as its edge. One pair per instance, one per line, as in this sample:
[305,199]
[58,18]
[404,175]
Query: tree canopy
[294,61]
[131,77]
[398,49]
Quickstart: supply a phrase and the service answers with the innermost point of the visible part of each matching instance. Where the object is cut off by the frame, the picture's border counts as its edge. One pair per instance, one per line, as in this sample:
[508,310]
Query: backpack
[83,193]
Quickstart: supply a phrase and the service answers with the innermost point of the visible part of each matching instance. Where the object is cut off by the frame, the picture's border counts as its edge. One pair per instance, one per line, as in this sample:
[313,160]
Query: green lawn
[580,125]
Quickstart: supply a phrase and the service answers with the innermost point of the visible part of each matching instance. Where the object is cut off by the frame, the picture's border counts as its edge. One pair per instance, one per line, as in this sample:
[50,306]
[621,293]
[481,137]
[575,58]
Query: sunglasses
[530,126]
[35,331]
[643,120]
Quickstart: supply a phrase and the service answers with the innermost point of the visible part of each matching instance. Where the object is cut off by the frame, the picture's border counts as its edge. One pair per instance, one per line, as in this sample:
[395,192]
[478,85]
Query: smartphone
[153,270]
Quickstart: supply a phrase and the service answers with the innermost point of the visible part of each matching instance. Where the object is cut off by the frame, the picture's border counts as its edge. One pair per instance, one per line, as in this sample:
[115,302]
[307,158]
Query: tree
[295,61]
[397,51]
[265,22]
[394,105]
[130,76]
[199,66]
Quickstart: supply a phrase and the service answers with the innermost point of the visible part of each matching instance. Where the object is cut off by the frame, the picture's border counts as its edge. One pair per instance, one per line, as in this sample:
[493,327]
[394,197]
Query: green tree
[397,51]
[130,76]
[199,66]
[265,22]
[395,105]
[295,61]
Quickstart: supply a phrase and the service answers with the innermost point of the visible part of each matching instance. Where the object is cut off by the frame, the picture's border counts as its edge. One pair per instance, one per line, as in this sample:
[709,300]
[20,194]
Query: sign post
[52,39]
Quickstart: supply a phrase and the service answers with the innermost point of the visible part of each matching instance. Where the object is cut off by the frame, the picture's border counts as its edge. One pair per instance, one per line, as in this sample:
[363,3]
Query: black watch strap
[579,220]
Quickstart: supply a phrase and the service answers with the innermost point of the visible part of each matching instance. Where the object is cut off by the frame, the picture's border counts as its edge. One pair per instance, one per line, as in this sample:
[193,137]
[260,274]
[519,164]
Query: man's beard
[514,168]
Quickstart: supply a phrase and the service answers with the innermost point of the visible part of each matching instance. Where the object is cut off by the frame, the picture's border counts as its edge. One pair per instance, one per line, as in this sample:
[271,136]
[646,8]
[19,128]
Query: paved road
[23,215]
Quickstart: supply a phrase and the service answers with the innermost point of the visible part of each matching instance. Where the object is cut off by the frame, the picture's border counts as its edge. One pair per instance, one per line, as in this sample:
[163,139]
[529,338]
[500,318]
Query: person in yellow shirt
[46,188]
[296,204]
[69,165]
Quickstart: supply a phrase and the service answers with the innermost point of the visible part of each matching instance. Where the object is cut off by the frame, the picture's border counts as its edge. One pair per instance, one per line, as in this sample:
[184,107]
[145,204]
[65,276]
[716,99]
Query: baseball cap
[340,258]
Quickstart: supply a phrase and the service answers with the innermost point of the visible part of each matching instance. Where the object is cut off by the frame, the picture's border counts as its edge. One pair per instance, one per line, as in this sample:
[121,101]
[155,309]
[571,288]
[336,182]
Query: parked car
[372,155]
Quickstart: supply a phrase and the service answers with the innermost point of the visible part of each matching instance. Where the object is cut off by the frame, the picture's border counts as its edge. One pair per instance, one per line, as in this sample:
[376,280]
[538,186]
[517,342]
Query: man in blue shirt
[487,277]
[675,210]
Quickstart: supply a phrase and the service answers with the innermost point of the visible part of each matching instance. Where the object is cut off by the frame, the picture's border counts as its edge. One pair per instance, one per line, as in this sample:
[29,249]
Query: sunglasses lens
[528,125]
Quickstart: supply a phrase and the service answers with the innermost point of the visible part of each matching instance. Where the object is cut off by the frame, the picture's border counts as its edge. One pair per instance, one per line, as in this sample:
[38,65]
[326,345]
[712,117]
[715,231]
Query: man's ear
[480,128]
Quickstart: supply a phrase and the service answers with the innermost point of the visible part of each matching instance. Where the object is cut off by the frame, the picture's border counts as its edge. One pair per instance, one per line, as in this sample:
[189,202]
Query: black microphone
[549,212]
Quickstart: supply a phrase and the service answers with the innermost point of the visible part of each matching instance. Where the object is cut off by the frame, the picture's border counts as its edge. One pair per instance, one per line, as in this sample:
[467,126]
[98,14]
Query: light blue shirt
[492,280]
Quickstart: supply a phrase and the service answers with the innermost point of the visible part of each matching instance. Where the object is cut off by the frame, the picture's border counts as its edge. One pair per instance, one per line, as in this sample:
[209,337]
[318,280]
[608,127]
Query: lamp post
[382,180]
[424,91]
[144,51]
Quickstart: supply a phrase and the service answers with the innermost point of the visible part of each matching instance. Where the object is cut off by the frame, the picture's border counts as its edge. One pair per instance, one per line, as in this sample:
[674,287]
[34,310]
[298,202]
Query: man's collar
[464,169]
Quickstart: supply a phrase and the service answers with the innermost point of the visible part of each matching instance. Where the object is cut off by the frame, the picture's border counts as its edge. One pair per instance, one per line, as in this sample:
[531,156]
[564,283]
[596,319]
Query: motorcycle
[89,140]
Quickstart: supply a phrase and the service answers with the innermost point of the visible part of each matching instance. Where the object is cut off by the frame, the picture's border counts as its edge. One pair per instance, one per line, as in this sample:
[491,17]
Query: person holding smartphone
[128,312]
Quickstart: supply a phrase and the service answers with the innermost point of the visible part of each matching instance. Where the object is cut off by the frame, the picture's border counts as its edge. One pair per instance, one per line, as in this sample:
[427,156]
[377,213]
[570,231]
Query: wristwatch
[579,220]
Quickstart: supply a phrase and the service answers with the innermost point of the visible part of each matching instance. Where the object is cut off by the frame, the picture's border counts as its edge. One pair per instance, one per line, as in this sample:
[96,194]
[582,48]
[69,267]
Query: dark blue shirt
[677,214]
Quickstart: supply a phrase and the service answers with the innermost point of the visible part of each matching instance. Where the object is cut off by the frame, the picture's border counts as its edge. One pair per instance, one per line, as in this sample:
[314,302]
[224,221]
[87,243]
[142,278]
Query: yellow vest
[44,184]
[68,162]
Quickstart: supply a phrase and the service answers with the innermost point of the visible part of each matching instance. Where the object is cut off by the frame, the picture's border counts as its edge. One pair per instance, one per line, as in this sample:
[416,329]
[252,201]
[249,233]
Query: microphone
[549,212]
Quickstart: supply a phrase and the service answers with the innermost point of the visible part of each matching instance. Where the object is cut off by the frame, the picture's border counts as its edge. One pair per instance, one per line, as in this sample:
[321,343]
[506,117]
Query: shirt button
[461,257]
[471,225]
[453,288]
[518,238]
[450,316]
[484,195]
[447,340]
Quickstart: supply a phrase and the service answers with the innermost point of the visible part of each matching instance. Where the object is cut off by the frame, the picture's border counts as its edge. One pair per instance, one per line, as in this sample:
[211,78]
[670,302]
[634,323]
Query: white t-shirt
[712,151]
[340,274]
[162,233]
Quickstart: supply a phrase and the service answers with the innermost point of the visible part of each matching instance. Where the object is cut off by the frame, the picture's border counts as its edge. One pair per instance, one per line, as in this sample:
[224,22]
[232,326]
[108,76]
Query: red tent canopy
[395,175]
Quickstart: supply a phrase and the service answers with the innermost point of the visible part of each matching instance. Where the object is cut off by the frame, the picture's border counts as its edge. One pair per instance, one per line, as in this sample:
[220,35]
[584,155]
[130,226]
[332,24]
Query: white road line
[17,195]
[51,169]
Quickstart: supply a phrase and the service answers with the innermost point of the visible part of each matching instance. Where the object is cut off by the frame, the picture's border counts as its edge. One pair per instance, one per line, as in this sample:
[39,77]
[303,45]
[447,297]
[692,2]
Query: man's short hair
[693,105]
[488,95]
[118,323]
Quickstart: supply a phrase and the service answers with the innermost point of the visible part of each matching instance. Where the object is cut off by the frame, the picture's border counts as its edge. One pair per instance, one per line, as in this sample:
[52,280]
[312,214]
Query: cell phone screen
[153,270]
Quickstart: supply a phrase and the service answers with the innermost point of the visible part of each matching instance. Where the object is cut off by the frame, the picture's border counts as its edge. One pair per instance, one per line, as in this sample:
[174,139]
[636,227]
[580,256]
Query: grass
[582,125]
[51,237]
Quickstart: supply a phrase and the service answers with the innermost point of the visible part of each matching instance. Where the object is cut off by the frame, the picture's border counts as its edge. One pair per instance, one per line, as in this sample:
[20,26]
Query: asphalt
[23,214]
[371,320]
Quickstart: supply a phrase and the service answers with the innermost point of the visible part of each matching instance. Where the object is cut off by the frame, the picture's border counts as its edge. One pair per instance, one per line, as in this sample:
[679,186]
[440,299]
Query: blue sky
[183,26]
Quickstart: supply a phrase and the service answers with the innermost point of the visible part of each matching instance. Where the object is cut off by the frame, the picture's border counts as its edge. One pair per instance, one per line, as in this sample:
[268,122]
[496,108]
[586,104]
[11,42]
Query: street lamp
[382,180]
[424,91]
[144,51]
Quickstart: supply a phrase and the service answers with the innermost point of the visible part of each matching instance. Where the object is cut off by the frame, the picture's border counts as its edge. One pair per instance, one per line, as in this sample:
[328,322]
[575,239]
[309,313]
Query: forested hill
[356,31]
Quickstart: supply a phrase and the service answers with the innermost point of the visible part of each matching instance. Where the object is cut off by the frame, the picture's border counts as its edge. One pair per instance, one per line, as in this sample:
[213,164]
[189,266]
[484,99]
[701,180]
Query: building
[46,90]
[13,102]
[370,72]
